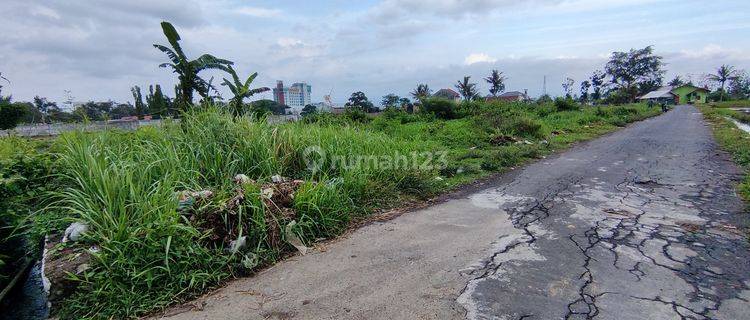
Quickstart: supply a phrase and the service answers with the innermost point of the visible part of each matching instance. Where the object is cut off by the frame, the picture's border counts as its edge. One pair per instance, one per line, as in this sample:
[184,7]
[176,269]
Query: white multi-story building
[297,96]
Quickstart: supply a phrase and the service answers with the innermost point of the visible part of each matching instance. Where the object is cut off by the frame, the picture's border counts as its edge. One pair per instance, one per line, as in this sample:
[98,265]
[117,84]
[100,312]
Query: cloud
[712,51]
[259,12]
[478,58]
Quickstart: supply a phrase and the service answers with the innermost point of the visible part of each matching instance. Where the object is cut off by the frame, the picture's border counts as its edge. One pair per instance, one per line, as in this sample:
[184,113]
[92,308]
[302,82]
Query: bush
[566,104]
[356,115]
[440,108]
[11,114]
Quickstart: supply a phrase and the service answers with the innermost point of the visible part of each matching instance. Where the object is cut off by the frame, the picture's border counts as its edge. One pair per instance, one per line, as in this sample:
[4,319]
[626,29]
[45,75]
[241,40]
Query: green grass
[731,104]
[733,140]
[153,252]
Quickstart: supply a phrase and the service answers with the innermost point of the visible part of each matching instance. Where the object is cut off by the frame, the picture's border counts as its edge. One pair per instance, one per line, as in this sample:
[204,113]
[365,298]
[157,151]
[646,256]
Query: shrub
[566,104]
[441,108]
[356,115]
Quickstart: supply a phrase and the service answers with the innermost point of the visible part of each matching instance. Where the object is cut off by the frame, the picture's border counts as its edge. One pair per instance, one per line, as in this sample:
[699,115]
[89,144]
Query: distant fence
[47,130]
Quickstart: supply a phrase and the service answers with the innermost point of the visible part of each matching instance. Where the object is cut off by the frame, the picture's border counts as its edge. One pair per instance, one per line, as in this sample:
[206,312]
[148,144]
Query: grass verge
[733,140]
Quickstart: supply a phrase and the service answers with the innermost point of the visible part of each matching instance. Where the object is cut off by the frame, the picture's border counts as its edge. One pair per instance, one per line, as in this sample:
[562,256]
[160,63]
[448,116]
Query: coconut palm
[240,90]
[422,91]
[723,74]
[497,82]
[187,70]
[467,89]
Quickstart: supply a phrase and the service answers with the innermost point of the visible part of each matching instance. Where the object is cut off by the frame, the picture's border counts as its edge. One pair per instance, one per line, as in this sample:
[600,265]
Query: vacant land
[643,223]
[173,211]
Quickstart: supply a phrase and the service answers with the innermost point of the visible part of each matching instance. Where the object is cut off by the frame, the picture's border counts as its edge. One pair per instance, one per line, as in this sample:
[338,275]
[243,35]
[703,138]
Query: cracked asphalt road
[640,224]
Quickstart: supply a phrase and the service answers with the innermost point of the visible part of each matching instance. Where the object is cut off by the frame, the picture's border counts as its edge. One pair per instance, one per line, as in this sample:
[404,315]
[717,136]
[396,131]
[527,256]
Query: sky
[98,50]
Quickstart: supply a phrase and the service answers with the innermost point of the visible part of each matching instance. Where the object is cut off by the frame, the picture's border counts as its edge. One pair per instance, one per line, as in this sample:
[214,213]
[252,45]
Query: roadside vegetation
[158,215]
[733,140]
[167,205]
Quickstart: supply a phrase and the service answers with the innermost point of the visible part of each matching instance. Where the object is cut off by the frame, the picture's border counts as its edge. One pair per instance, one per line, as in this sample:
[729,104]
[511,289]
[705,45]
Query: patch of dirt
[500,140]
[689,227]
[620,212]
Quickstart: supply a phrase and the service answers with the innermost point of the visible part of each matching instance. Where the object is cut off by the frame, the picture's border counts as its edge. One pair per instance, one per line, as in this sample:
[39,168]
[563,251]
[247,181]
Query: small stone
[237,245]
[74,231]
[242,179]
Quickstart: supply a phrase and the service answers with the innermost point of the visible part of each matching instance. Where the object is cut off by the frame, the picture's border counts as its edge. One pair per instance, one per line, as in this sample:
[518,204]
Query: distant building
[510,96]
[447,94]
[661,95]
[296,96]
[678,95]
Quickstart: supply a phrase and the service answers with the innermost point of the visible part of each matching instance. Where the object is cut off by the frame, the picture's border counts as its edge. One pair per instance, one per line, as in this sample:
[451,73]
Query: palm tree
[187,70]
[467,90]
[676,82]
[723,74]
[497,82]
[422,91]
[240,90]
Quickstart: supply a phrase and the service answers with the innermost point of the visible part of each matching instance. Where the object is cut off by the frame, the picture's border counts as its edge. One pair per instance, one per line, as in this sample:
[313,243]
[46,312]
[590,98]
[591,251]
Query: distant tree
[390,101]
[466,89]
[545,98]
[676,82]
[265,106]
[140,107]
[157,103]
[421,92]
[497,82]
[30,113]
[635,72]
[405,104]
[240,90]
[11,114]
[585,85]
[45,107]
[309,110]
[567,86]
[187,70]
[723,74]
[739,87]
[597,83]
[94,111]
[358,100]
[123,110]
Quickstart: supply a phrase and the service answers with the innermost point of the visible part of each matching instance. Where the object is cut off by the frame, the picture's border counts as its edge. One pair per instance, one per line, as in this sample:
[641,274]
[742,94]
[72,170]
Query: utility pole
[544,86]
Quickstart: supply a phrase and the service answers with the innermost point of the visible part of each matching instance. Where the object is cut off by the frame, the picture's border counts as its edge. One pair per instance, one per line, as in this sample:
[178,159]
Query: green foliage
[440,108]
[265,106]
[140,107]
[467,89]
[734,141]
[497,82]
[186,69]
[421,92]
[11,114]
[240,90]
[566,104]
[359,101]
[635,72]
[309,110]
[24,177]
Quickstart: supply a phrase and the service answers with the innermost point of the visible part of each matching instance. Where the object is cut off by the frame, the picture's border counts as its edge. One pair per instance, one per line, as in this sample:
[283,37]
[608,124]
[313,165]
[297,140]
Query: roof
[663,92]
[446,93]
[693,87]
[511,94]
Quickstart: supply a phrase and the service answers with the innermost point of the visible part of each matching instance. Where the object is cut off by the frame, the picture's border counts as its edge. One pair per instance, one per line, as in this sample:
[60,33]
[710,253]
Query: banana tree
[186,69]
[240,90]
